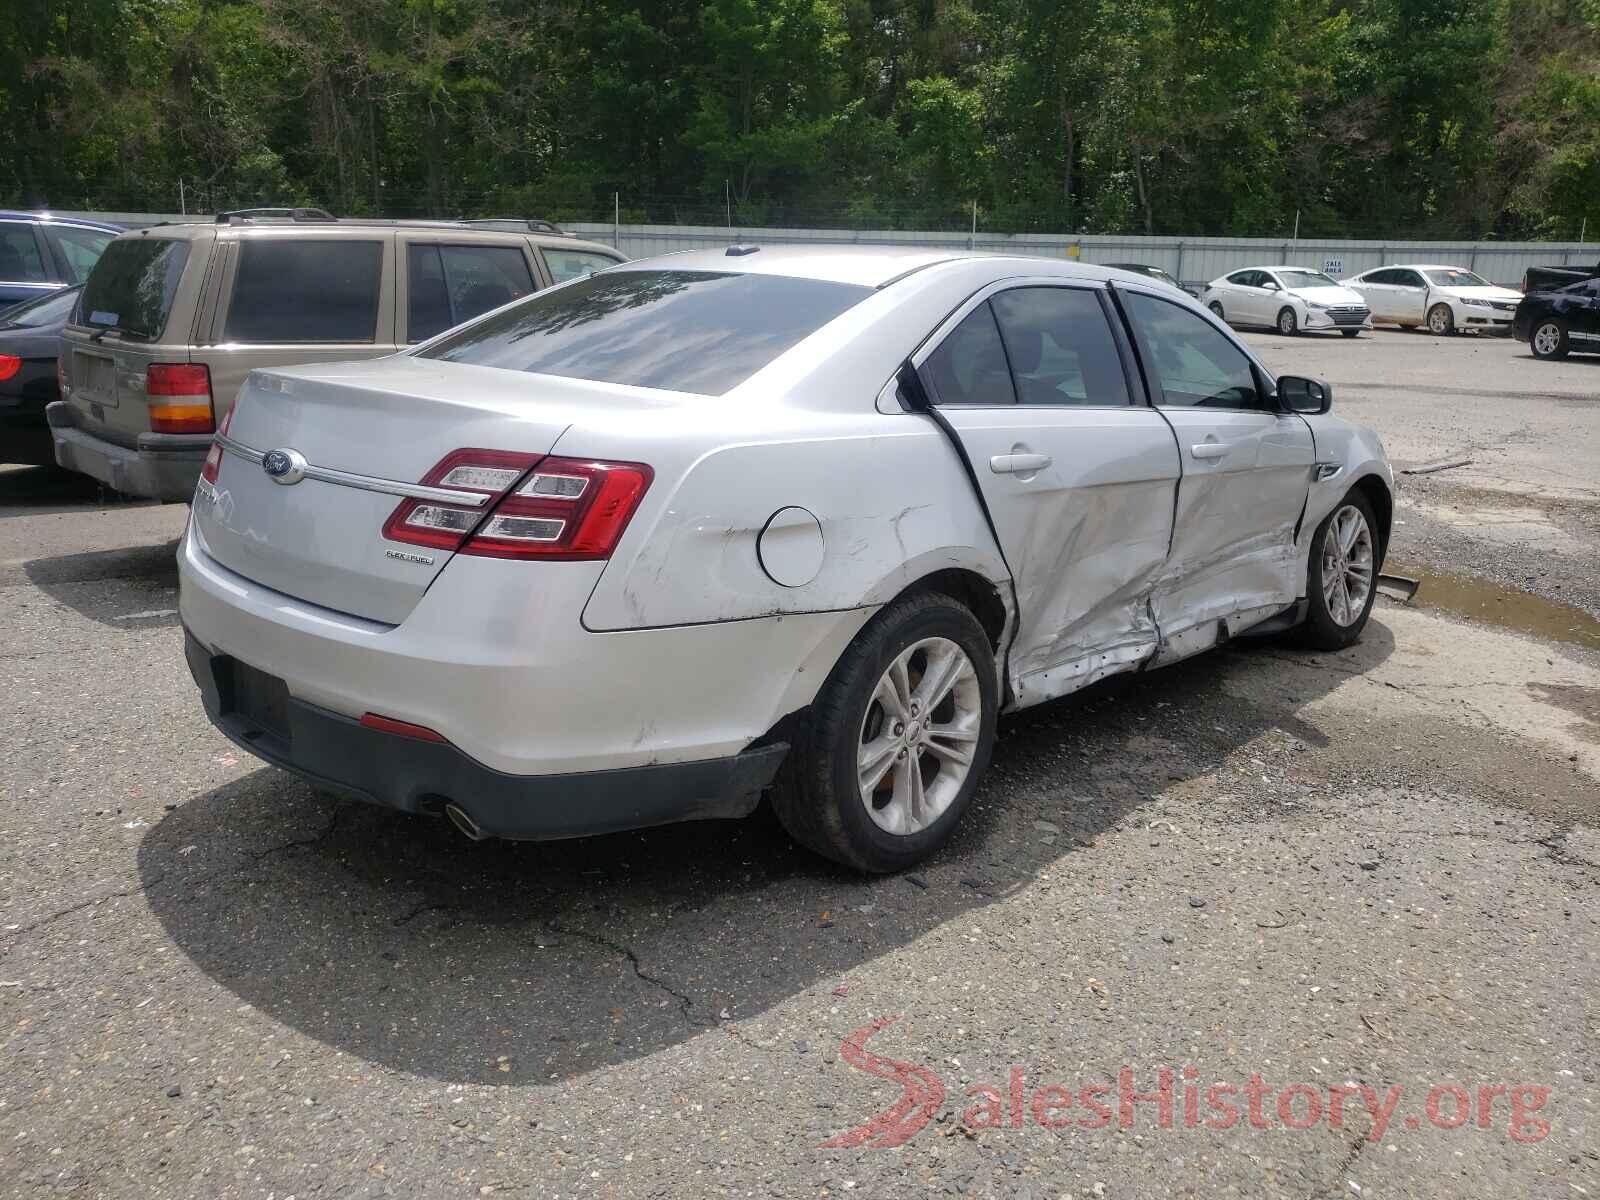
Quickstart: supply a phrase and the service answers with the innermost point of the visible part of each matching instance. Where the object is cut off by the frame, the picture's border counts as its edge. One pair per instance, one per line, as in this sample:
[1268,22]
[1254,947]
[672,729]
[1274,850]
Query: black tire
[1555,341]
[1350,333]
[1322,631]
[817,795]
[1441,320]
[1216,311]
[1287,324]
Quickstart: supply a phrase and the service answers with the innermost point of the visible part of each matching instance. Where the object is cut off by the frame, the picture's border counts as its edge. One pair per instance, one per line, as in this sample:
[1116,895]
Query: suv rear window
[132,286]
[313,290]
[687,331]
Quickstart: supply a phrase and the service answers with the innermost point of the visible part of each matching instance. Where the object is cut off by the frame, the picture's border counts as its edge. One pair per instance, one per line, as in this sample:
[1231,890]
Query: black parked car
[1560,320]
[30,340]
[1155,273]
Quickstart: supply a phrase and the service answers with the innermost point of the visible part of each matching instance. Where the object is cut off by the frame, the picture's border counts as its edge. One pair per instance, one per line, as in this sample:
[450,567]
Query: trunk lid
[390,420]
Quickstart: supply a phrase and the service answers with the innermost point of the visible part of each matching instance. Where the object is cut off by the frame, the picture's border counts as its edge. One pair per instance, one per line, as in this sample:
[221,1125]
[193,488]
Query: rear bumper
[162,467]
[342,755]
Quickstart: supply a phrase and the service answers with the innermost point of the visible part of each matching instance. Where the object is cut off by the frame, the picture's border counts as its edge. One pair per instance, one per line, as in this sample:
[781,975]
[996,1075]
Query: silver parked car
[174,317]
[637,548]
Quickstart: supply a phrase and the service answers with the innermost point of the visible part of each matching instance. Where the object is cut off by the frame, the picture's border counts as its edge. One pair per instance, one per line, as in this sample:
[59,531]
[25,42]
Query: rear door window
[574,264]
[687,331]
[133,285]
[20,260]
[447,285]
[314,290]
[80,249]
[1060,347]
[970,367]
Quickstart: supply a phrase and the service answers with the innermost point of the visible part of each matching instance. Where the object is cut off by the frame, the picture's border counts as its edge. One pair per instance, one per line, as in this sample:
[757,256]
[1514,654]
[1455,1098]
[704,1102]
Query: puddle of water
[1496,604]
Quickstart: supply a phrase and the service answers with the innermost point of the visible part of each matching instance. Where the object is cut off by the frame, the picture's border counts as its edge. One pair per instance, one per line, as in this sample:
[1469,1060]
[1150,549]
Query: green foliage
[1357,117]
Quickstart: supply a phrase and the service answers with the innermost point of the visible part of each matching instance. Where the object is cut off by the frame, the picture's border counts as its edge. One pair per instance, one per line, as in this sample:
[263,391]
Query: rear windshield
[132,286]
[687,331]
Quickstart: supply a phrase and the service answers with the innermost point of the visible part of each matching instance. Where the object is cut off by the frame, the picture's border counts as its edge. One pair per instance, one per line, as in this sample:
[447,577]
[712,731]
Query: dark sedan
[30,340]
[41,253]
[1556,322]
[1150,272]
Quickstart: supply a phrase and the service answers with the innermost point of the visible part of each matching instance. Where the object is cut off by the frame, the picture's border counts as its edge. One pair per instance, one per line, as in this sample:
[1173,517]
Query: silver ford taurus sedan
[645,546]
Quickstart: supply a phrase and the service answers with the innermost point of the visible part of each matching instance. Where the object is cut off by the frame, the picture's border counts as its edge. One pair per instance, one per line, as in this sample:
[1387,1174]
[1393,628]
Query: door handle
[1018,464]
[1210,449]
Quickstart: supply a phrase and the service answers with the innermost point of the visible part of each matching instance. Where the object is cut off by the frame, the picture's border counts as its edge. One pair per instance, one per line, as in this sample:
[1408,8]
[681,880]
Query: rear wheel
[1343,575]
[1287,325]
[886,760]
[1549,339]
[1441,320]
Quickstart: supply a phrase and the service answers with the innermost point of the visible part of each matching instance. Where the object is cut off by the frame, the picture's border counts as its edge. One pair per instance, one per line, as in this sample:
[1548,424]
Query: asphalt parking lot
[1350,899]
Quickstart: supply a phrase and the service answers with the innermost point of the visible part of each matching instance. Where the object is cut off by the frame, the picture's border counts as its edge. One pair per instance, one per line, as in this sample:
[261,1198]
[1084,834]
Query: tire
[1441,320]
[1333,625]
[1286,324]
[1350,333]
[1549,338]
[819,797]
[1216,311]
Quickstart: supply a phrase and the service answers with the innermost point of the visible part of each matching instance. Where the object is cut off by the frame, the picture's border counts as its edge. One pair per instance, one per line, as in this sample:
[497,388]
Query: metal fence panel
[1192,260]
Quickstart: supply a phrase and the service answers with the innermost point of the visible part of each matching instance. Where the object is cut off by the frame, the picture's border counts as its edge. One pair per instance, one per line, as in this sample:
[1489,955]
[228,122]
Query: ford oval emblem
[284,466]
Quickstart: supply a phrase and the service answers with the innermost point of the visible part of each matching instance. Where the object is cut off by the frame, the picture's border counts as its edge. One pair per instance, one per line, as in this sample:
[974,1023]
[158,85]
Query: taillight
[443,526]
[213,462]
[567,509]
[61,375]
[10,364]
[180,397]
[551,508]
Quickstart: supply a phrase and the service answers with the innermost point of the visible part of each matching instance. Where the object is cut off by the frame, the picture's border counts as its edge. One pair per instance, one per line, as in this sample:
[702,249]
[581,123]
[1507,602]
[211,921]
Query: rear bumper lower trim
[340,754]
[161,470]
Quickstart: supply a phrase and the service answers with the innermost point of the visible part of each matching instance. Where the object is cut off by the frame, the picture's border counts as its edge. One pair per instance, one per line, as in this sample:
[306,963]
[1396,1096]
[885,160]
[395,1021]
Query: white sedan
[644,546]
[1444,299]
[1288,299]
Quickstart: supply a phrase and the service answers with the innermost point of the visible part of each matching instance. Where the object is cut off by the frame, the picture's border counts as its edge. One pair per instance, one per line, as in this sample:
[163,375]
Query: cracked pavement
[1369,870]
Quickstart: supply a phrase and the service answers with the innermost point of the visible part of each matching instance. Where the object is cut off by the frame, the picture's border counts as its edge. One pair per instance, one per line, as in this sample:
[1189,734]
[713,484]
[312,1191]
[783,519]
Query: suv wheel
[1549,339]
[1343,575]
[888,757]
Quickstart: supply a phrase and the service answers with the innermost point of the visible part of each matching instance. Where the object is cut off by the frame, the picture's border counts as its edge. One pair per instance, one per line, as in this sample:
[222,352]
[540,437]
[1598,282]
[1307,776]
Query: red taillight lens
[213,462]
[10,364]
[180,398]
[61,376]
[568,509]
[443,526]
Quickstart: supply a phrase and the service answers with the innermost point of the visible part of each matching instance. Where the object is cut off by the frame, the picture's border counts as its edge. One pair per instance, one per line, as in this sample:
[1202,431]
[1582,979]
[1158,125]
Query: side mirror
[1270,286]
[1298,394]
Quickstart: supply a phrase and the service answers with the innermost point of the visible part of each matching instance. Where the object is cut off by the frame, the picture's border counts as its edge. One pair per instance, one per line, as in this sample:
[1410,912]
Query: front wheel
[1441,320]
[888,757]
[1287,325]
[1549,339]
[1343,575]
[1216,310]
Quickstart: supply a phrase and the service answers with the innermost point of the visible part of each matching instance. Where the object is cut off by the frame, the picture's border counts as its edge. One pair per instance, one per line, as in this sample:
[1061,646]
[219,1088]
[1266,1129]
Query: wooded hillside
[1375,118]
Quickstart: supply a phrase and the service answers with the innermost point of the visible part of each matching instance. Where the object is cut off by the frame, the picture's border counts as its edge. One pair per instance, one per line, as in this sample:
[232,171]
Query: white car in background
[641,546]
[1288,299]
[1444,299]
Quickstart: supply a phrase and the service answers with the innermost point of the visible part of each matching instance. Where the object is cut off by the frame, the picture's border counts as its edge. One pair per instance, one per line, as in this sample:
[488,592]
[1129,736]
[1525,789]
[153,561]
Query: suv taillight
[550,508]
[180,398]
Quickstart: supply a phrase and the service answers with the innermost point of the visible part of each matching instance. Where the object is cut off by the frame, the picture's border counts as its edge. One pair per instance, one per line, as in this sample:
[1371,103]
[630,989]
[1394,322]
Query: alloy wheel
[1286,322]
[918,736]
[1347,565]
[1547,338]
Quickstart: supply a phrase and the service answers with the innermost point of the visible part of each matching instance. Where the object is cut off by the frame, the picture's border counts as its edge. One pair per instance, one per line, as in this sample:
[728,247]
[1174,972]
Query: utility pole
[727,199]
[183,204]
[972,238]
[1296,238]
[616,220]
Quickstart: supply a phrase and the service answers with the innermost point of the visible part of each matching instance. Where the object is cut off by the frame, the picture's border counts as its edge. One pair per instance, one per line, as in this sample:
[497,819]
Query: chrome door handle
[1210,449]
[1018,464]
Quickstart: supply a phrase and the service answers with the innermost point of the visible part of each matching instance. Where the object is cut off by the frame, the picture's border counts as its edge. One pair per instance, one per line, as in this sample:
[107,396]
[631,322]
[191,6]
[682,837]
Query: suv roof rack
[282,214]
[532,224]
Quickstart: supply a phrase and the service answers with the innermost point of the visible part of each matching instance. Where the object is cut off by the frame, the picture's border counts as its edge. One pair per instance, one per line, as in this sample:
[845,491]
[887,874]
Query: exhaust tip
[462,821]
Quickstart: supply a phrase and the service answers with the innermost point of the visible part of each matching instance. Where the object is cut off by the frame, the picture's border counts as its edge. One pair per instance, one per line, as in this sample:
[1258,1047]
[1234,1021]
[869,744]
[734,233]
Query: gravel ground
[1375,869]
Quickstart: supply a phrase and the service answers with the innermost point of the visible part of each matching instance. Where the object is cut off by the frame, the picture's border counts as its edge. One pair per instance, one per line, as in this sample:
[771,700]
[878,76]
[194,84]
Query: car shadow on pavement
[133,587]
[393,940]
[37,491]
